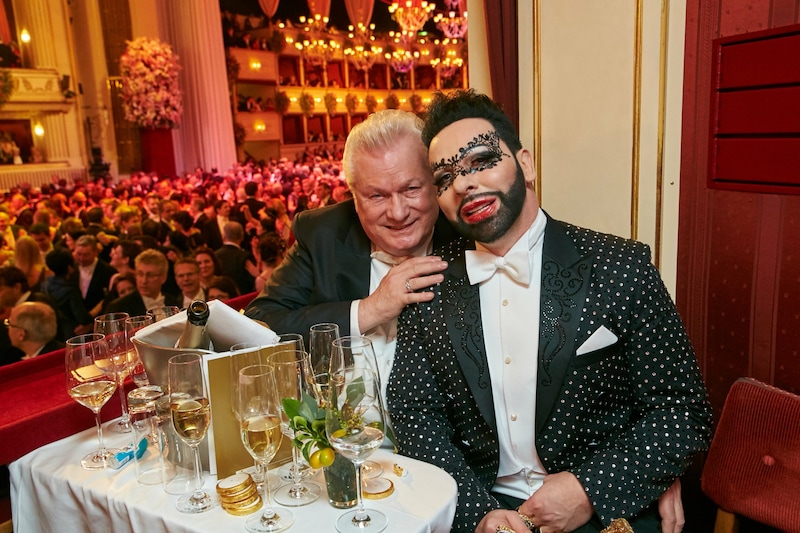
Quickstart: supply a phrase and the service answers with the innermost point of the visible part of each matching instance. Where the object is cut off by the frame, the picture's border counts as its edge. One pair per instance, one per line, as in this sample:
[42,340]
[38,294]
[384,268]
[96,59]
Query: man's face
[481,186]
[42,241]
[395,198]
[187,276]
[15,334]
[151,204]
[4,222]
[85,255]
[224,209]
[149,279]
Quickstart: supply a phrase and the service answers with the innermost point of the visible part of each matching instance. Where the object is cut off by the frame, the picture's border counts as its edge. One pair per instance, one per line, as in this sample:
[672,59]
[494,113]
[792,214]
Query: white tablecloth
[51,492]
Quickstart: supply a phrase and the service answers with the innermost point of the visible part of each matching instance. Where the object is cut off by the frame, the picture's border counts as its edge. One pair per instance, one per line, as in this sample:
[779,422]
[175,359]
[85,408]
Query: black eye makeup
[481,153]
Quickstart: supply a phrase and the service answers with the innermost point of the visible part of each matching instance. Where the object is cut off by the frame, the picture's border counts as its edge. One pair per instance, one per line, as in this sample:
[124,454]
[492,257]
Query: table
[51,492]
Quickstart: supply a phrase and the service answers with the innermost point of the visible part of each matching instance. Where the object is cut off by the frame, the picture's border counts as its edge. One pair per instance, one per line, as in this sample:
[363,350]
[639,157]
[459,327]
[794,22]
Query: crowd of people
[89,248]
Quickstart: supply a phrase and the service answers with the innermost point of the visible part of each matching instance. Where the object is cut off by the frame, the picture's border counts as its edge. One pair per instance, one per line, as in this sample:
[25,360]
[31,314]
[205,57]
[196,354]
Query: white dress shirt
[86,274]
[510,316]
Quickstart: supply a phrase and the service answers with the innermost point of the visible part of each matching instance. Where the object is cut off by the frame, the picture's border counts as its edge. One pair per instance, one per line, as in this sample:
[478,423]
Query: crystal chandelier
[314,44]
[411,15]
[447,60]
[401,60]
[454,23]
[360,51]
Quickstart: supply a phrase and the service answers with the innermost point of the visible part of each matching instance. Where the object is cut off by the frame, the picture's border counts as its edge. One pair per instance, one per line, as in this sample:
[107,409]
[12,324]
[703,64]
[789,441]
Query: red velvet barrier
[36,409]
[240,302]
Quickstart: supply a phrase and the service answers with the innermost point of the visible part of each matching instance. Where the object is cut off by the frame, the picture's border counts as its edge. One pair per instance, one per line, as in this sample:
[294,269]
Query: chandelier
[401,60]
[447,60]
[360,51]
[454,24]
[411,15]
[314,45]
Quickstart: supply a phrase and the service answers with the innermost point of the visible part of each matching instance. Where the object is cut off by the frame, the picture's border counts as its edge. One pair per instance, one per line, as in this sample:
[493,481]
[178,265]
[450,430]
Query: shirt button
[513,417]
[507,360]
[505,303]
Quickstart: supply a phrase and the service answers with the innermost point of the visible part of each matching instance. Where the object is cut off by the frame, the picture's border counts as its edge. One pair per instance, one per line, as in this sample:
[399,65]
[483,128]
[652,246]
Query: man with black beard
[550,375]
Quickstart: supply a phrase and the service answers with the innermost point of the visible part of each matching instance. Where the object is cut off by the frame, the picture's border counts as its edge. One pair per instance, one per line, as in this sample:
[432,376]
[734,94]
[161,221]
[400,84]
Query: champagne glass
[257,409]
[132,327]
[246,354]
[191,416]
[321,337]
[354,423]
[358,351]
[88,385]
[292,371]
[165,311]
[112,325]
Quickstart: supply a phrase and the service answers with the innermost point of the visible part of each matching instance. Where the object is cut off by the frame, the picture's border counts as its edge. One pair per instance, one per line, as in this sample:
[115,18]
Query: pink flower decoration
[151,96]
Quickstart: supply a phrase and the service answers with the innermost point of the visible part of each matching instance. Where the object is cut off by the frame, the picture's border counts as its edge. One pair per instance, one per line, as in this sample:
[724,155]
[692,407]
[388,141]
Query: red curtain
[319,7]
[359,11]
[269,7]
[503,62]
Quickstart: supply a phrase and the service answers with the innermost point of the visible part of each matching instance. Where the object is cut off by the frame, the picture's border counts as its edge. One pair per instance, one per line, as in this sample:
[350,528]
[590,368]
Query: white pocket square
[599,339]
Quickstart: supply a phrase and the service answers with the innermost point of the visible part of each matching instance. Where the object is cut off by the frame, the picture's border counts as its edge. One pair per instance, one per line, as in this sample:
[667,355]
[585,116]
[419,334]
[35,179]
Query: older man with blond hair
[150,268]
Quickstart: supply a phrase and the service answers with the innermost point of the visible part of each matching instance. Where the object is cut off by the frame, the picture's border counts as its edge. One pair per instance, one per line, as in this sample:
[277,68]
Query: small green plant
[281,102]
[330,103]
[350,103]
[307,104]
[371,103]
[392,101]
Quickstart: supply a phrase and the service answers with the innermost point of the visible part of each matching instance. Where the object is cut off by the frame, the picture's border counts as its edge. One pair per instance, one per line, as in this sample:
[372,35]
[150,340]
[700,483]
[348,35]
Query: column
[205,135]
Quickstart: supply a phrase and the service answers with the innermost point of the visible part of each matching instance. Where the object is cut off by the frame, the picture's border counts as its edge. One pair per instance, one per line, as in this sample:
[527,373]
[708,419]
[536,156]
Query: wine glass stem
[198,473]
[121,387]
[268,511]
[100,433]
[361,512]
[297,480]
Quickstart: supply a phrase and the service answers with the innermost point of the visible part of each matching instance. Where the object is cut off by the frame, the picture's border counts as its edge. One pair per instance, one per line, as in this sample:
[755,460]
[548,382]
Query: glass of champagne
[137,370]
[244,354]
[354,423]
[358,351]
[165,311]
[90,386]
[321,337]
[112,325]
[191,416]
[292,373]
[259,417]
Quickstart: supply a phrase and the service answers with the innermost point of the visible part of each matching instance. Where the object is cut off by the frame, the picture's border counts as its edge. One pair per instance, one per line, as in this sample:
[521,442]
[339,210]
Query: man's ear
[526,162]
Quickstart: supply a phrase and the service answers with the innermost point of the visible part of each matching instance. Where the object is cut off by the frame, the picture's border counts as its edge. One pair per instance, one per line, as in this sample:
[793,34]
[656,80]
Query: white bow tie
[482,265]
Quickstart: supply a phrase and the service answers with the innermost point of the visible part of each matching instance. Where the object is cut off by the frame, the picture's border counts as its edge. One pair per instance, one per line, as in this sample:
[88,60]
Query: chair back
[753,464]
[239,303]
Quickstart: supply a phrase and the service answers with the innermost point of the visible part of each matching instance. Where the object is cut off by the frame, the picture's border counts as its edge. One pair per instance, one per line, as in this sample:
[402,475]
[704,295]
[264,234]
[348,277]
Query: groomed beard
[511,202]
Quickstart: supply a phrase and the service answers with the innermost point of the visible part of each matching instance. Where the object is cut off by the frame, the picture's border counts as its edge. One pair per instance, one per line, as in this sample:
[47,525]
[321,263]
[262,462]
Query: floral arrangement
[281,102]
[232,68]
[330,103]
[151,96]
[351,102]
[6,86]
[416,103]
[371,103]
[306,104]
[392,101]
[307,421]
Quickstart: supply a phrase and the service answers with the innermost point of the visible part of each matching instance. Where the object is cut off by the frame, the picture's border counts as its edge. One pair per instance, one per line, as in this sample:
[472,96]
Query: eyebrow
[489,139]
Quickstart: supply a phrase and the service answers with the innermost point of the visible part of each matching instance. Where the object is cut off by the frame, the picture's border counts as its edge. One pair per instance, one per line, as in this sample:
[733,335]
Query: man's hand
[393,294]
[560,504]
[501,517]
[670,507]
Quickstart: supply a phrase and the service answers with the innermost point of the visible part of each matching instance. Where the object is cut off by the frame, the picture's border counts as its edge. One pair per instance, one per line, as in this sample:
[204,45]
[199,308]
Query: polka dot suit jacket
[626,420]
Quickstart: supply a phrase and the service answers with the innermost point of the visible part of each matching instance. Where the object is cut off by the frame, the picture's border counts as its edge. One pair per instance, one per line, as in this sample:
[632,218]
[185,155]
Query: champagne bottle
[194,332]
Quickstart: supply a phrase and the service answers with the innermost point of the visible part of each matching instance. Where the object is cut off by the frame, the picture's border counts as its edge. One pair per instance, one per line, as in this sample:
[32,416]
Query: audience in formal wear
[32,328]
[222,288]
[151,273]
[73,316]
[209,265]
[92,274]
[28,258]
[236,263]
[187,276]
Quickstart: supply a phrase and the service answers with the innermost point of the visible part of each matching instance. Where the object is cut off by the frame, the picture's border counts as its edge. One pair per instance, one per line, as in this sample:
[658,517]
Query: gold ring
[409,288]
[528,521]
[503,527]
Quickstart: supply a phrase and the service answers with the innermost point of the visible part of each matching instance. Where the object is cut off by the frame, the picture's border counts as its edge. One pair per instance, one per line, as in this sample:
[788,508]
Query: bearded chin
[491,229]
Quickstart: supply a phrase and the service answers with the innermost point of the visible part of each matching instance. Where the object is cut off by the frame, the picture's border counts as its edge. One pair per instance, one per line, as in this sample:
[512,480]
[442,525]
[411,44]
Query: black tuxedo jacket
[625,419]
[134,305]
[98,285]
[233,261]
[212,236]
[325,270]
